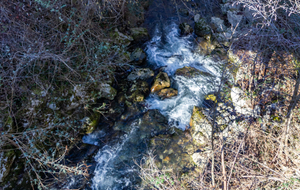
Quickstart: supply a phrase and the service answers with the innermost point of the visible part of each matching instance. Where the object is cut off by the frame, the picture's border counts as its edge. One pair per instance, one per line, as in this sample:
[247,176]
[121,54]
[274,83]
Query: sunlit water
[168,51]
[173,52]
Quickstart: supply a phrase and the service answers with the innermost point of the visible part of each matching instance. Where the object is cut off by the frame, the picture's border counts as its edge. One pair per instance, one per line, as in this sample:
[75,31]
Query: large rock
[143,74]
[161,81]
[153,123]
[137,92]
[138,56]
[202,29]
[139,34]
[190,72]
[200,127]
[167,93]
[174,151]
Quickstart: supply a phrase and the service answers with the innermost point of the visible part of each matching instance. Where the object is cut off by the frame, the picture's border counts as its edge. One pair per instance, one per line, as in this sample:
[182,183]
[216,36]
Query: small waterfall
[169,50]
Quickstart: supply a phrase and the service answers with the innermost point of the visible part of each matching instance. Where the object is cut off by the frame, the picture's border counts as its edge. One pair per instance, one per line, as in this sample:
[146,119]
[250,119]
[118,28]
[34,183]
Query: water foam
[173,52]
[110,173]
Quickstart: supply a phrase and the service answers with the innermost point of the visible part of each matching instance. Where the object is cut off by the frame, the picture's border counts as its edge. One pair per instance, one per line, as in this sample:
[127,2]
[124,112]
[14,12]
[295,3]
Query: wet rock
[153,123]
[91,122]
[202,29]
[6,161]
[190,72]
[185,29]
[200,127]
[139,34]
[133,110]
[205,47]
[174,151]
[161,81]
[167,93]
[137,91]
[143,74]
[111,110]
[218,24]
[138,56]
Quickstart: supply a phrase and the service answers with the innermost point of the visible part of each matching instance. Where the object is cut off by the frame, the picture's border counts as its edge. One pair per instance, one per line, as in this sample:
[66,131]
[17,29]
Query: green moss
[92,122]
[276,118]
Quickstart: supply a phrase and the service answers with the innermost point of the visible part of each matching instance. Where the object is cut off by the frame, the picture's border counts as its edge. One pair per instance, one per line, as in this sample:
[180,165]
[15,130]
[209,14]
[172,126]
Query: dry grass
[267,154]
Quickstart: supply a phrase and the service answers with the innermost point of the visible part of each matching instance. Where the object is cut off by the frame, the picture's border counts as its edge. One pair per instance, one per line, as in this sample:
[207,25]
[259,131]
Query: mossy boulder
[185,29]
[138,56]
[174,151]
[140,34]
[202,29]
[91,122]
[143,74]
[167,93]
[190,72]
[161,81]
[200,126]
[137,92]
[120,38]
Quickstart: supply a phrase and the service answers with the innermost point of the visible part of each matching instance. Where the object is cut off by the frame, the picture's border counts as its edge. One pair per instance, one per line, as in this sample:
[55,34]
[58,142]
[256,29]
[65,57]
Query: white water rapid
[167,51]
[170,51]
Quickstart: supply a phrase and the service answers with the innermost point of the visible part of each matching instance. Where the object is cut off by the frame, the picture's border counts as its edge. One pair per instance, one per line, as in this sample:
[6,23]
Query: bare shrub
[46,49]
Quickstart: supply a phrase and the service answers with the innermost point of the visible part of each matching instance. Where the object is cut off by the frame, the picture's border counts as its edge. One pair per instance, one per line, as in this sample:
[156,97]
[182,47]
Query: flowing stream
[167,51]
[170,51]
